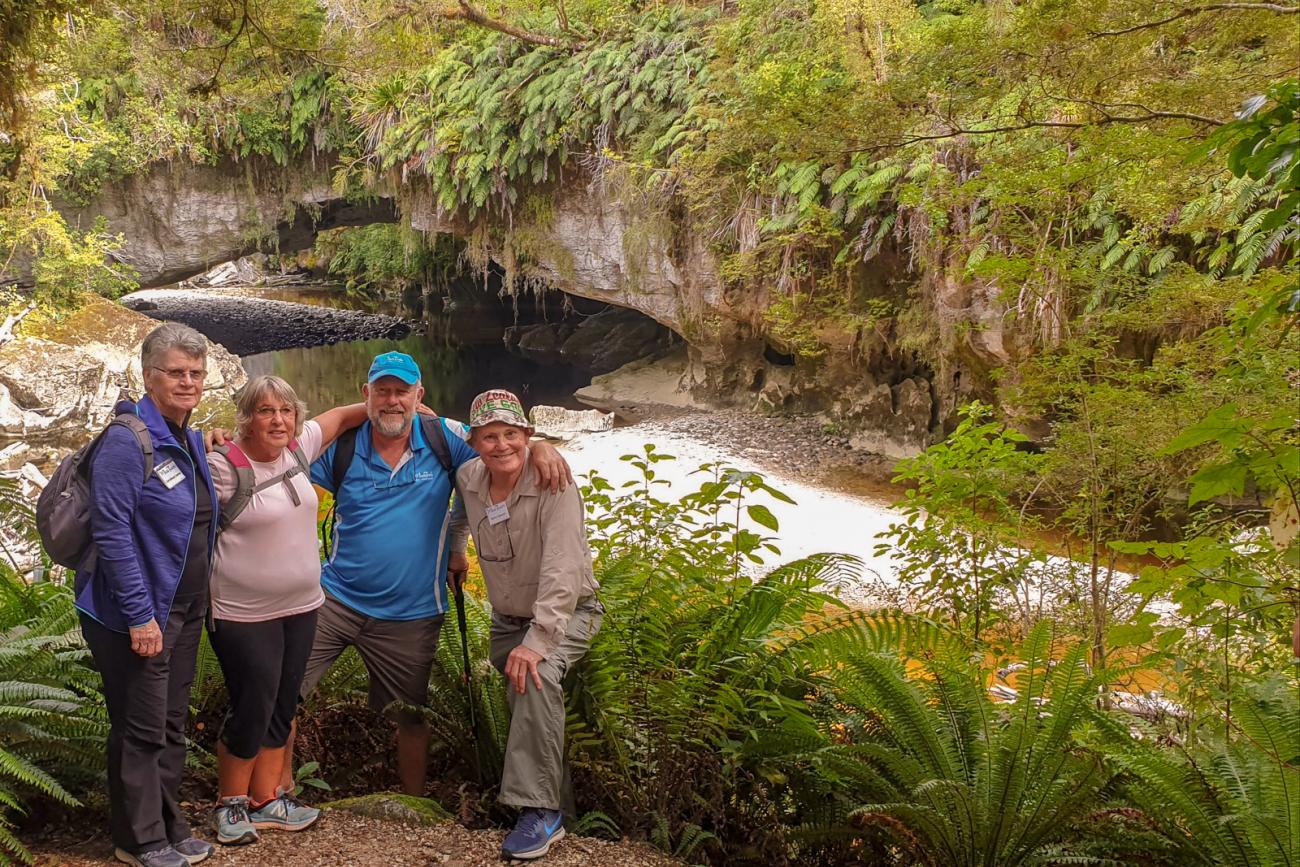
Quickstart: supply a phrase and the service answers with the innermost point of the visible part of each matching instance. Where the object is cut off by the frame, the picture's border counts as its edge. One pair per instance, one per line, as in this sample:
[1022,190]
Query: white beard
[390,426]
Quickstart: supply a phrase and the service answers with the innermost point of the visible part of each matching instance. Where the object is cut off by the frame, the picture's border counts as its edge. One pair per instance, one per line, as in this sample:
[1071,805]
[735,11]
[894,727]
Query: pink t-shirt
[267,563]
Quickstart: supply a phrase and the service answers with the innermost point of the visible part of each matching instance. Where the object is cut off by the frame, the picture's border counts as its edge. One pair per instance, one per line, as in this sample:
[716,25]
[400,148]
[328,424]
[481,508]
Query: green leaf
[762,515]
[1221,425]
[1216,480]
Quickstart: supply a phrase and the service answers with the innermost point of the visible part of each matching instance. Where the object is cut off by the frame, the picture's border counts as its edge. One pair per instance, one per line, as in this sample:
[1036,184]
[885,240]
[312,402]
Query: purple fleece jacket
[141,530]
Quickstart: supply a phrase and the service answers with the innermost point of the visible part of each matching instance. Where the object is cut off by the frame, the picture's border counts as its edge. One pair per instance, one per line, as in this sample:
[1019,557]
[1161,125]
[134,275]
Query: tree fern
[1234,803]
[959,780]
[52,727]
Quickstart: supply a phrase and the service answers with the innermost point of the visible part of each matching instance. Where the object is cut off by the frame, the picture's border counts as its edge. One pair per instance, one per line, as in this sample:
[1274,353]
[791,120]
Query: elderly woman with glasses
[532,548]
[143,592]
[265,593]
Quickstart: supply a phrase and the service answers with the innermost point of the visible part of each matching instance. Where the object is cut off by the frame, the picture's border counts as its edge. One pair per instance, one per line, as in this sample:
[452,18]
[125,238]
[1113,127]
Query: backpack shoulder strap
[344,448]
[244,484]
[300,455]
[436,437]
[136,425]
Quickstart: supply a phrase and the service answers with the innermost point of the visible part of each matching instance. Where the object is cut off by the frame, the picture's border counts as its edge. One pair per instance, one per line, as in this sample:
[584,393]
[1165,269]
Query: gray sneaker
[285,813]
[193,850]
[230,821]
[165,857]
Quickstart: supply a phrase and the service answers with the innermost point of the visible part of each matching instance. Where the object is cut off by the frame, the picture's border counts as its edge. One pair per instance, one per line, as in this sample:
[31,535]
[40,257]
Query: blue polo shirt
[389,552]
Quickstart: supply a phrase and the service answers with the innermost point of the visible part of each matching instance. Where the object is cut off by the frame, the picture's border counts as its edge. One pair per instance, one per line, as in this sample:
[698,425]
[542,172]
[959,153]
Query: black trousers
[263,664]
[148,704]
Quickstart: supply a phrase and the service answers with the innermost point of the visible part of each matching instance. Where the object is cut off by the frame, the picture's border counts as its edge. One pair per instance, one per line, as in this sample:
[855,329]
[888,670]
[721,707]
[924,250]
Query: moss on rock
[394,807]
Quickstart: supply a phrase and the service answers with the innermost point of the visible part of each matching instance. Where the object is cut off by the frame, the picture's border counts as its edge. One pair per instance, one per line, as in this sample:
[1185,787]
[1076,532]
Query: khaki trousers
[536,772]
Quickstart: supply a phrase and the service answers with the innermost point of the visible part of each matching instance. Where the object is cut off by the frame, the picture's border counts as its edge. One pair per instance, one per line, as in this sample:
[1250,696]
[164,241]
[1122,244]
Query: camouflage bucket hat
[498,405]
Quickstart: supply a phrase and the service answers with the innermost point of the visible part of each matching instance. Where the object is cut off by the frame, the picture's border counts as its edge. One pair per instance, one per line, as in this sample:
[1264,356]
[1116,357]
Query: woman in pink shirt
[265,592]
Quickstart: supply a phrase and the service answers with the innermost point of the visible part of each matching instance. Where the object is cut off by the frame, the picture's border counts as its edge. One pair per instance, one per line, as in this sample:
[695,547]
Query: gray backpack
[63,508]
[246,486]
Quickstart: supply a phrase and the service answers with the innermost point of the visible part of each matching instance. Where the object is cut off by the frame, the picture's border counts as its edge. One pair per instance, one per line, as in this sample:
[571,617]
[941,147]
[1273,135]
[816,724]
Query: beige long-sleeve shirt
[536,563]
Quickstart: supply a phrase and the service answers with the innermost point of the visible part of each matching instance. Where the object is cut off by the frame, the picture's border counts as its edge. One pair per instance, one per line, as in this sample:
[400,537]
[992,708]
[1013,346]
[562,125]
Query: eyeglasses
[177,374]
[478,542]
[265,412]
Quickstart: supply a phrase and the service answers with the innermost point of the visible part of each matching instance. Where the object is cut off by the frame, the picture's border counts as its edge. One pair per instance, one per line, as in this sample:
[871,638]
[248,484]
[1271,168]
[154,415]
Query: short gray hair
[169,336]
[259,387]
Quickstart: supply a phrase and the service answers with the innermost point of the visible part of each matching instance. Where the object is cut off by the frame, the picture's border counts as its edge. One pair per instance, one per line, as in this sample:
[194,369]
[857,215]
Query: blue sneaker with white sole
[230,821]
[193,850]
[534,834]
[284,813]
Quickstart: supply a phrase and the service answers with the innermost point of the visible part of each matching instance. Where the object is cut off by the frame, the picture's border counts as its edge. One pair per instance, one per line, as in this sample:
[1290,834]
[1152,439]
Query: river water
[458,355]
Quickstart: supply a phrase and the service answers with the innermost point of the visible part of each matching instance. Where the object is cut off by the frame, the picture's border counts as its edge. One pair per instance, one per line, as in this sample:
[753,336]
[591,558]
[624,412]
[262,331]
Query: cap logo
[497,405]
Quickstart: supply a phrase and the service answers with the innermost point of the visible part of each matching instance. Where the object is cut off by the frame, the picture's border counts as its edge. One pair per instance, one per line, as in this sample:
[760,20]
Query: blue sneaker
[193,850]
[533,835]
[285,813]
[164,857]
[230,821]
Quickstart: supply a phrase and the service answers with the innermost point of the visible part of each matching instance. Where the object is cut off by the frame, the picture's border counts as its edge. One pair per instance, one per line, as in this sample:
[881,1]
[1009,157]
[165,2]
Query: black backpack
[346,446]
[63,508]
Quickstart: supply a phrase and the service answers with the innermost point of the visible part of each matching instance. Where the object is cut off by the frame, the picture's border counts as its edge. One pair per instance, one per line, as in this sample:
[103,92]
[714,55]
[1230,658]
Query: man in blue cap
[385,580]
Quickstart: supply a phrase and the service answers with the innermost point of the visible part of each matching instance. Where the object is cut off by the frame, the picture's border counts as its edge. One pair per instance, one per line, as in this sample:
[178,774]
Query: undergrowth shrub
[733,712]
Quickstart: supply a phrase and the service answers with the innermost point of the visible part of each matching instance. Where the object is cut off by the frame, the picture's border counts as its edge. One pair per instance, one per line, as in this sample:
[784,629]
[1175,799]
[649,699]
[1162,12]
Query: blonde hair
[258,387]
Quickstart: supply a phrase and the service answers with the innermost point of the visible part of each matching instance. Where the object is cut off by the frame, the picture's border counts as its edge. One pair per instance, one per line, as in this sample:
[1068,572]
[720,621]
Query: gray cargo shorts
[398,654]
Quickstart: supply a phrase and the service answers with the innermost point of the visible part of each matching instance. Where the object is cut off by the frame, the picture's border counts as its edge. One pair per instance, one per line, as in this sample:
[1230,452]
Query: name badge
[497,513]
[169,474]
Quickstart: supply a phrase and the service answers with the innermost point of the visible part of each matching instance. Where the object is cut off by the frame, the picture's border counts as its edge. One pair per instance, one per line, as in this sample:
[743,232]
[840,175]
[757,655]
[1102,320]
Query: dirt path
[343,839]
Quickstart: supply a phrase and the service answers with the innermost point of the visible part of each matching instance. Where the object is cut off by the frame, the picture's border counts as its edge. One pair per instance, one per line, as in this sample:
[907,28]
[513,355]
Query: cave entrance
[464,331]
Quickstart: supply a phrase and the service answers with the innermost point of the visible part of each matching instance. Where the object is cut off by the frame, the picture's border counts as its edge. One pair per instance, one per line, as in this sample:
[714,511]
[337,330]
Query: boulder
[61,383]
[559,423]
[540,343]
[14,455]
[611,339]
[895,421]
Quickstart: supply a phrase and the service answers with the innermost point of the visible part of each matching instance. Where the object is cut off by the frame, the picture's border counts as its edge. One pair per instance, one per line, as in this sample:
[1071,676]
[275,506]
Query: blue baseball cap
[397,364]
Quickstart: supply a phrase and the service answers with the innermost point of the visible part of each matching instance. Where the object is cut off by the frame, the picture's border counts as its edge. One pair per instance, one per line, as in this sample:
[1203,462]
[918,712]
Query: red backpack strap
[244,484]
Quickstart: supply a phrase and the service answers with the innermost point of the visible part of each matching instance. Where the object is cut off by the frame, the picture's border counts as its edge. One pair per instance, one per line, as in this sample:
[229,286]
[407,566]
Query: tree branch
[8,330]
[208,86]
[471,13]
[1200,10]
[1104,120]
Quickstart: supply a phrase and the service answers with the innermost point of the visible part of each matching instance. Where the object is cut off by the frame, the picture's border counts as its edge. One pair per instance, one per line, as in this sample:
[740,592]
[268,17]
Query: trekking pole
[458,589]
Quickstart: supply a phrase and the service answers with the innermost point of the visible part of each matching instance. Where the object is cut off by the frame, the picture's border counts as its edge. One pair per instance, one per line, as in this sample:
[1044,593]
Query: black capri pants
[263,664]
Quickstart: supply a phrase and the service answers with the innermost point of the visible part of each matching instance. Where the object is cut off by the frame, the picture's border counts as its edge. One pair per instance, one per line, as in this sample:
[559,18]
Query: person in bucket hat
[385,579]
[532,548]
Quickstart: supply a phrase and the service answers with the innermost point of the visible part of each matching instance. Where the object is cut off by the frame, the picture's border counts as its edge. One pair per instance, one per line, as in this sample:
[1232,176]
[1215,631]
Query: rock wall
[592,241]
[180,219]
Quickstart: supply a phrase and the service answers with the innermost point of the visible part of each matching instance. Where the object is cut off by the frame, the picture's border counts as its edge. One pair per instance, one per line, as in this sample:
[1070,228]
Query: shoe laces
[290,801]
[533,822]
[237,812]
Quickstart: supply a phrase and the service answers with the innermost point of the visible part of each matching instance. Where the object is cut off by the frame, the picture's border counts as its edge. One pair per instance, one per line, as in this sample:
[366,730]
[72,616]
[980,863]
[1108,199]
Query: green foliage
[52,726]
[388,257]
[483,120]
[1218,803]
[1261,146]
[956,551]
[306,775]
[690,718]
[955,779]
[65,263]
